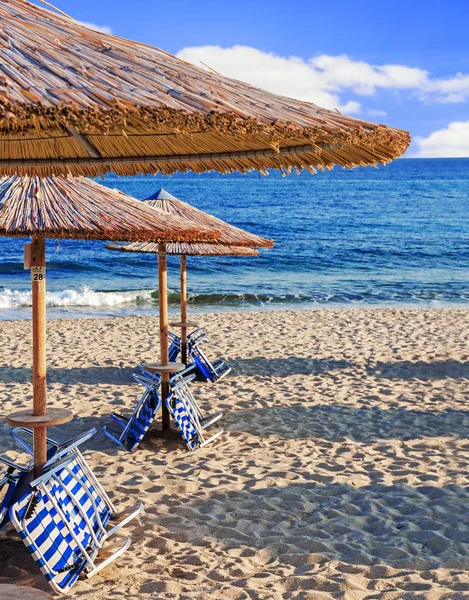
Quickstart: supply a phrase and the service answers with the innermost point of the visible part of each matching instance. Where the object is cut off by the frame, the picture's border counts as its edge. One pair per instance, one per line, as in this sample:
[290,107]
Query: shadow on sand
[337,421]
[281,367]
[419,528]
[88,375]
[408,370]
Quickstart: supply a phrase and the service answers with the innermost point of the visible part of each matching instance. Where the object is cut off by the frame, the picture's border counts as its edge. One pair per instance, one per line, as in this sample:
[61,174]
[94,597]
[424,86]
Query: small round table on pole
[172,367]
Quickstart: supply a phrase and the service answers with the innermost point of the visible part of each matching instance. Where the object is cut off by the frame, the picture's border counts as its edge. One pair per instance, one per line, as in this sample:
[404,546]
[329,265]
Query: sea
[393,236]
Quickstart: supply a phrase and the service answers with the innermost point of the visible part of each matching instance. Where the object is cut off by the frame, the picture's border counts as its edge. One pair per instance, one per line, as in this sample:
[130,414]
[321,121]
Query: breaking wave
[84,296]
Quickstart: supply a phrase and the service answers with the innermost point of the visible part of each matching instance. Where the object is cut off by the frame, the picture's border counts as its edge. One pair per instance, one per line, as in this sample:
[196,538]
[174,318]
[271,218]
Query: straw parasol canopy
[229,234]
[74,100]
[194,249]
[79,208]
[225,246]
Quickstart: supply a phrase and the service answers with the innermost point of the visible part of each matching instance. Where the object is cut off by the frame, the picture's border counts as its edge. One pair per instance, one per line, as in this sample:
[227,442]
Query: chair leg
[210,420]
[131,513]
[211,439]
[112,437]
[111,558]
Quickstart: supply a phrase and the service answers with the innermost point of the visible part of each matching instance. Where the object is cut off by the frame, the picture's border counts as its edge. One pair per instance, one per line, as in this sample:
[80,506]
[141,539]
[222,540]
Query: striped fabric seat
[80,473]
[184,378]
[136,426]
[62,521]
[174,347]
[76,483]
[206,370]
[185,414]
[49,540]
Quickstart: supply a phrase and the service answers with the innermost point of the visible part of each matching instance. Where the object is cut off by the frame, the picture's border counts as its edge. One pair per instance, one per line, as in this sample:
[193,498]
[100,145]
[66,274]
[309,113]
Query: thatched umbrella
[75,208]
[233,241]
[75,100]
[184,250]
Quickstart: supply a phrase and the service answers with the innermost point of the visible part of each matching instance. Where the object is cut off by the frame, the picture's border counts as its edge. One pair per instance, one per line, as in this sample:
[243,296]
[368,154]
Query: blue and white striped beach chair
[174,347]
[188,375]
[207,370]
[18,478]
[136,426]
[58,451]
[185,414]
[63,522]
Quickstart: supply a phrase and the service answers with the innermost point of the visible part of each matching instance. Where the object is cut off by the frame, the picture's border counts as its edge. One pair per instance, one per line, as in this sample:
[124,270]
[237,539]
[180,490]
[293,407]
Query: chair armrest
[70,445]
[52,466]
[196,337]
[15,434]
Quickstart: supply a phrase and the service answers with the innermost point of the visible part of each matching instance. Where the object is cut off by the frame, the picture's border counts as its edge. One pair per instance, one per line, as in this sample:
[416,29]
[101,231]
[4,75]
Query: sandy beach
[343,473]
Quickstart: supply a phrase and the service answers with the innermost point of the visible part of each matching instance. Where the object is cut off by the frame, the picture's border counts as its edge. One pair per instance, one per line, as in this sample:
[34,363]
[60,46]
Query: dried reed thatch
[233,241]
[185,248]
[74,100]
[230,235]
[80,208]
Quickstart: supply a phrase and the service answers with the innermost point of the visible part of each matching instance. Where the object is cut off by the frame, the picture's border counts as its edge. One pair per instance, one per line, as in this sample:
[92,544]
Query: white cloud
[450,142]
[323,79]
[376,113]
[101,28]
[343,72]
[290,76]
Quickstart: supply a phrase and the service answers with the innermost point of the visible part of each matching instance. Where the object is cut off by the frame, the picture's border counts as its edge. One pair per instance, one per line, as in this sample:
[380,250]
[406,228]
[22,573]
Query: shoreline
[53,313]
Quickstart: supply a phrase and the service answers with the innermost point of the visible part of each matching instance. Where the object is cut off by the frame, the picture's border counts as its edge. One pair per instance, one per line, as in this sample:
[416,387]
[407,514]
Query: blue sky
[402,63]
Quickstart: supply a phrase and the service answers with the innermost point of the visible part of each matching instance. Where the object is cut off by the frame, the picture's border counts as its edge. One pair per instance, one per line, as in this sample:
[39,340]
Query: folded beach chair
[185,414]
[58,451]
[188,375]
[63,522]
[174,347]
[207,370]
[18,477]
[135,426]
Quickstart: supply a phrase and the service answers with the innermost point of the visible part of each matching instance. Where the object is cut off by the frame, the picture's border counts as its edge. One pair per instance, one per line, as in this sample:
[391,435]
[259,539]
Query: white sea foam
[84,296]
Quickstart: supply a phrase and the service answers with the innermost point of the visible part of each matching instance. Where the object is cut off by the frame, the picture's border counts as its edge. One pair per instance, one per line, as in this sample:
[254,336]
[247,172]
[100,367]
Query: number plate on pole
[38,273]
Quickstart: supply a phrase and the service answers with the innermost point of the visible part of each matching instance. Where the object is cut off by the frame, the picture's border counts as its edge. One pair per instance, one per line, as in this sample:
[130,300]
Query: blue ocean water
[392,236]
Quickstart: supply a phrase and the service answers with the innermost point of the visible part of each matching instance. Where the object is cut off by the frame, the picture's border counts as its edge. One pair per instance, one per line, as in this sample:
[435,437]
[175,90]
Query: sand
[343,474]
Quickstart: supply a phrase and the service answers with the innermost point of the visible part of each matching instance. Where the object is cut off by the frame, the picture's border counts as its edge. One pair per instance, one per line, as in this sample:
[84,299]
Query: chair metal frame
[188,376]
[185,414]
[62,488]
[151,383]
[62,450]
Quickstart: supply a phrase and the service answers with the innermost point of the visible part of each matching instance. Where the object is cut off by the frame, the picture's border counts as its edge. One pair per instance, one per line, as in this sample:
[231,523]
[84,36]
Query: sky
[403,63]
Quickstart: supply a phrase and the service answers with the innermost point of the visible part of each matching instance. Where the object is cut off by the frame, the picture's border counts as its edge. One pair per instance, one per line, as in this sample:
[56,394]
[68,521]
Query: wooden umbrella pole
[163,309]
[183,274]
[38,283]
[39,418]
